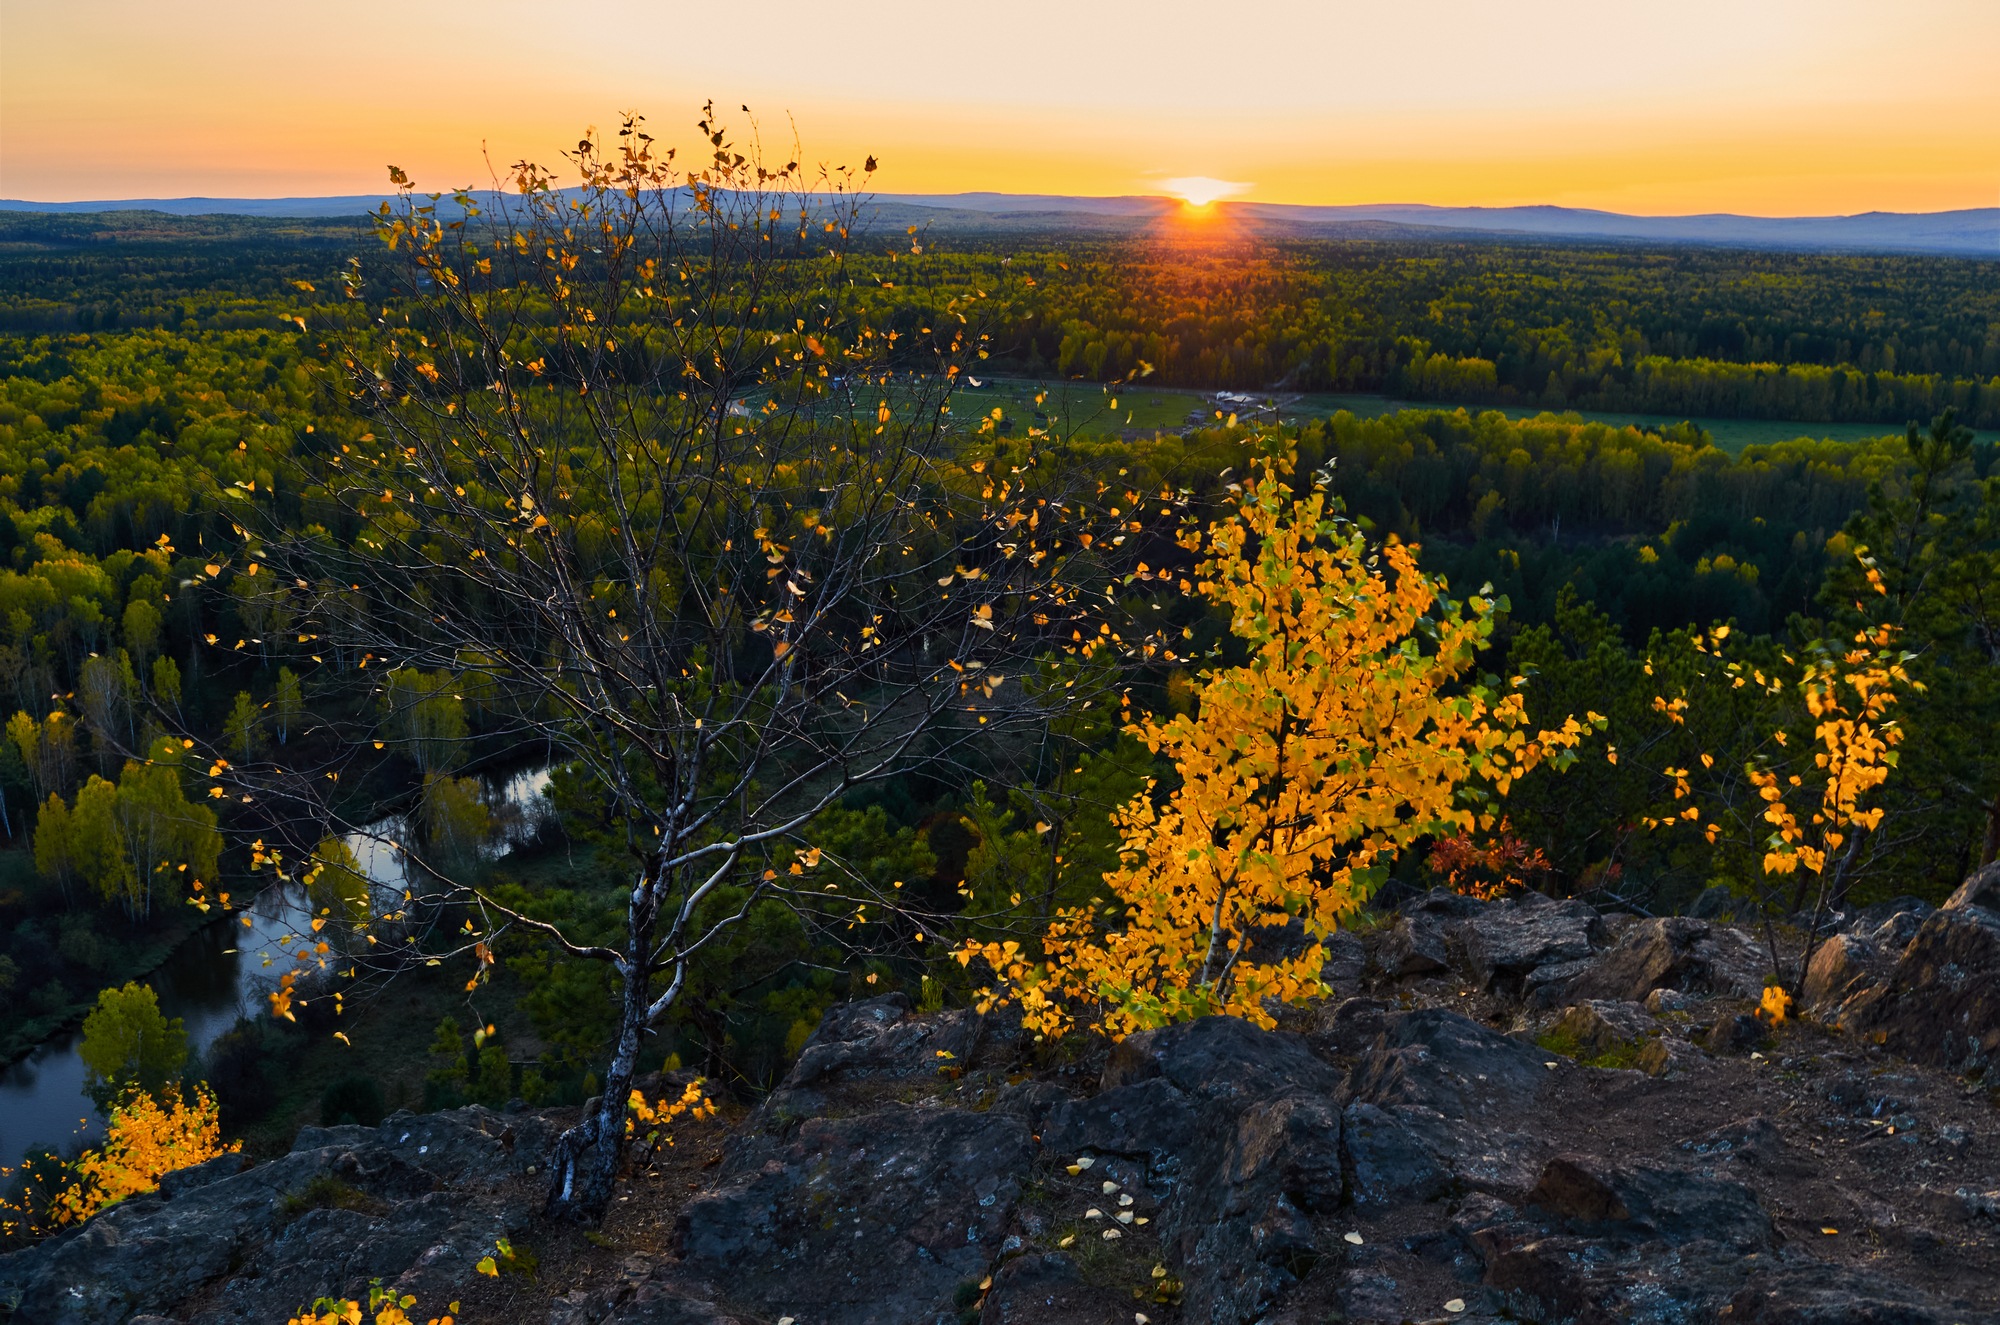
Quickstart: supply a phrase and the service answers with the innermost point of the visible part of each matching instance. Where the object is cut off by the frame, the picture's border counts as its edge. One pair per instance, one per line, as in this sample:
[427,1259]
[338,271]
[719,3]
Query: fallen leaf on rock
[1457,1304]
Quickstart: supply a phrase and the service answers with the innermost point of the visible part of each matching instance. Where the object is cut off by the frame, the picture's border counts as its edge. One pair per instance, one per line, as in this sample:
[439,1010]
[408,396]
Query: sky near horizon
[1768,107]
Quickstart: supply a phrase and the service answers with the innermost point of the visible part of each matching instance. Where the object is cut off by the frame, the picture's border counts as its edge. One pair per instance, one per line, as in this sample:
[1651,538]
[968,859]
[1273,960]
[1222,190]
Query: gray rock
[1547,986]
[1734,1032]
[885,1214]
[1730,963]
[1650,955]
[1442,1061]
[1982,889]
[875,1038]
[1414,945]
[1895,933]
[1153,1120]
[1669,1000]
[1388,1162]
[1646,1202]
[1941,1003]
[1661,1056]
[1871,917]
[1444,903]
[1346,962]
[1353,1027]
[1839,967]
[1507,941]
[1221,1060]
[1820,1294]
[1047,1289]
[1600,1026]
[419,1200]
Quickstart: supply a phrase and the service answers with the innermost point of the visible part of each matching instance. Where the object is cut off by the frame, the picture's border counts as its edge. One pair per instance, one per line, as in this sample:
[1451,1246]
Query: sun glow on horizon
[1810,107]
[1200,190]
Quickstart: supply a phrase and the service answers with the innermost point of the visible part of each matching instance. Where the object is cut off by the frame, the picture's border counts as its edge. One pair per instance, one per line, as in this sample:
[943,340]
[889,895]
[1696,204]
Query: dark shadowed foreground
[1520,1110]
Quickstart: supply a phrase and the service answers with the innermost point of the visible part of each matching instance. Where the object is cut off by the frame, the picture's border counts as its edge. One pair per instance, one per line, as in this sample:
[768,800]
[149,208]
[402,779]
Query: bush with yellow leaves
[385,1307]
[146,1139]
[1351,731]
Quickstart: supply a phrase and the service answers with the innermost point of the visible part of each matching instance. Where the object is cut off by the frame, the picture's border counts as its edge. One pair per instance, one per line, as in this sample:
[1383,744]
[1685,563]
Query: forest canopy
[160,378]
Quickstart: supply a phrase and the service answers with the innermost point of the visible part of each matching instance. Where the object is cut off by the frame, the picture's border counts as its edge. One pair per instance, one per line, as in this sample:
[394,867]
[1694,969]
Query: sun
[1200,190]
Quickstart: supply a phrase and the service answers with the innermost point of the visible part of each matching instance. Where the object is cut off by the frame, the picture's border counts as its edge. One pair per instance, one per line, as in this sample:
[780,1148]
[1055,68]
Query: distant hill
[1972,232]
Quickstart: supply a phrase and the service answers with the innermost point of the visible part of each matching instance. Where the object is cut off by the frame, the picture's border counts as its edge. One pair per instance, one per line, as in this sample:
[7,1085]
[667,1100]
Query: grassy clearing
[1147,408]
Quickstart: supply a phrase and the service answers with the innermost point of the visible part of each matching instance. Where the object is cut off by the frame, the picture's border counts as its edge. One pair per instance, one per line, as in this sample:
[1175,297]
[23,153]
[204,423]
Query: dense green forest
[151,377]
[1688,331]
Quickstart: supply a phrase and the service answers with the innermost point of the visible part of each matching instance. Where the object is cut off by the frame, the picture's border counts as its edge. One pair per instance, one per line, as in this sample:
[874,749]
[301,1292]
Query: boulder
[875,1038]
[1346,962]
[1941,1003]
[1352,1028]
[1414,945]
[1661,1056]
[1443,903]
[1871,917]
[1733,1033]
[1729,963]
[413,1203]
[1547,986]
[1242,1227]
[1258,1117]
[1894,934]
[1839,967]
[1648,1202]
[885,1214]
[1669,1000]
[1503,943]
[1982,889]
[1650,955]
[1152,1120]
[1387,1162]
[1600,1026]
[1221,1060]
[1439,1060]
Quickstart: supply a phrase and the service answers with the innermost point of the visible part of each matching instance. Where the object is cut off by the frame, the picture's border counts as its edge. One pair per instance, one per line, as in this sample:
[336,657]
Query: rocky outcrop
[1941,1003]
[885,1215]
[1981,888]
[1432,1148]
[414,1203]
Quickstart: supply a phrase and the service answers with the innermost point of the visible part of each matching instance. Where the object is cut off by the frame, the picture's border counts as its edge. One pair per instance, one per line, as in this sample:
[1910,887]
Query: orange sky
[1758,106]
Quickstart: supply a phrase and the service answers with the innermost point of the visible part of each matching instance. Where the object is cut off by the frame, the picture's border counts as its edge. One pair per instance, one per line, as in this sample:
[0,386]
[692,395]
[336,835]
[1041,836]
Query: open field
[1088,409]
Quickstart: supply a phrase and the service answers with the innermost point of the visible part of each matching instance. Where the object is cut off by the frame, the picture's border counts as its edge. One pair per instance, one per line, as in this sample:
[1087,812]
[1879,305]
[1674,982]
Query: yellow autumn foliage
[385,1307]
[145,1140]
[1352,730]
[1849,699]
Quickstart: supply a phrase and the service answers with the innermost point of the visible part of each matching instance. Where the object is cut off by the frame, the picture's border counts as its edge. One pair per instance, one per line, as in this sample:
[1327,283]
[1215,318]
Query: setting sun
[1200,190]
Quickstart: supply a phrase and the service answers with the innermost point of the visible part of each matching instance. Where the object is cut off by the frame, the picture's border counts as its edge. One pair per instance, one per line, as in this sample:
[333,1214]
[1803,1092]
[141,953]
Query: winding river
[220,974]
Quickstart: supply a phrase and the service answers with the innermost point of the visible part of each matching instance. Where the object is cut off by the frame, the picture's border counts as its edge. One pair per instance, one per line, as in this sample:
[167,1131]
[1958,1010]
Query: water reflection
[225,971]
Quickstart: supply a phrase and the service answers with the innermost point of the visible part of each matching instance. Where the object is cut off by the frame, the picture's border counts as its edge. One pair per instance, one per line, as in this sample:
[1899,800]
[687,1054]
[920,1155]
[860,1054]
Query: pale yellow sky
[1758,106]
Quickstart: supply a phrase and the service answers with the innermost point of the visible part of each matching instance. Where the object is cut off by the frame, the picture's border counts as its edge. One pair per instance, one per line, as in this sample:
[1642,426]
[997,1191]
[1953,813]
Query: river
[222,973]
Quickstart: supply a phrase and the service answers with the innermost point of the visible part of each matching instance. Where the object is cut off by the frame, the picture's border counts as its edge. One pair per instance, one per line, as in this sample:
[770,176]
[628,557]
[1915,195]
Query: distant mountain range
[1973,232]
